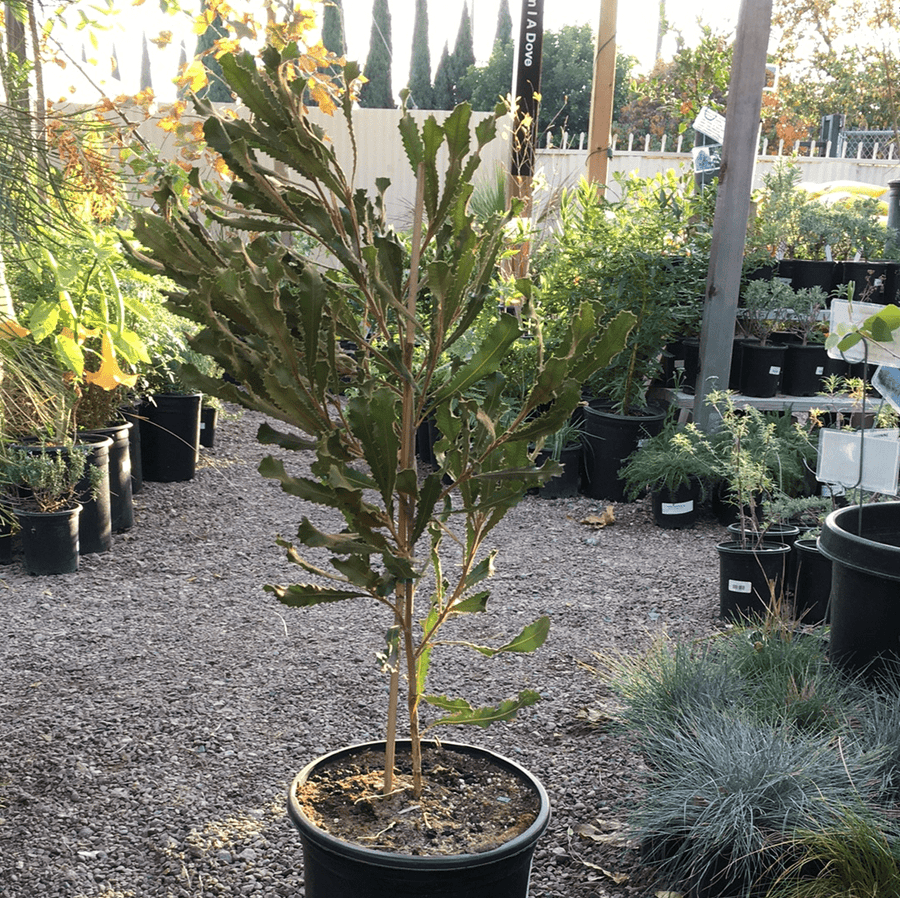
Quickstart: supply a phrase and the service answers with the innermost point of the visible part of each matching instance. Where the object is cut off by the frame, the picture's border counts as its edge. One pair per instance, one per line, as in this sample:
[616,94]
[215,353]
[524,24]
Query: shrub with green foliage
[648,253]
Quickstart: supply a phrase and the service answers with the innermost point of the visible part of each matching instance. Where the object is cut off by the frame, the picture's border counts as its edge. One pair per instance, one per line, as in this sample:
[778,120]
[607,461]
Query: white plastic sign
[840,452]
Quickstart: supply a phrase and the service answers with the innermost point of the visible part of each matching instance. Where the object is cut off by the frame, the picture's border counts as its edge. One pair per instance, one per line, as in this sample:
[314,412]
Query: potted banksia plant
[280,323]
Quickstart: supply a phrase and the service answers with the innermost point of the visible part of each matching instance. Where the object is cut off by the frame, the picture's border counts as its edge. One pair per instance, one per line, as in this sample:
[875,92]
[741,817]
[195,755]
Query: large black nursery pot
[805,367]
[812,582]
[170,437]
[872,281]
[133,415]
[6,534]
[50,540]
[209,420]
[676,509]
[807,273]
[121,500]
[783,534]
[334,868]
[609,438]
[95,522]
[863,543]
[749,578]
[762,367]
[566,484]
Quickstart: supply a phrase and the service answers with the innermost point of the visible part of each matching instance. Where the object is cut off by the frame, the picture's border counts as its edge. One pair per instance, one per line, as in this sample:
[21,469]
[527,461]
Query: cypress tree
[444,94]
[333,28]
[377,92]
[216,90]
[146,80]
[504,33]
[421,93]
[463,57]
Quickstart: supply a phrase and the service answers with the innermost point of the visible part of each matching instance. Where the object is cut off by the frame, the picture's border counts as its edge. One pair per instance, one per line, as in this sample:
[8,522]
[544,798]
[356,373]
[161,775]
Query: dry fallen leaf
[617,878]
[598,521]
[615,837]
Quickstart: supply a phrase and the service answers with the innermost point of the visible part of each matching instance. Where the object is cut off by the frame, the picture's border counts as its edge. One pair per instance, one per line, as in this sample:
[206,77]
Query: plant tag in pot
[744,586]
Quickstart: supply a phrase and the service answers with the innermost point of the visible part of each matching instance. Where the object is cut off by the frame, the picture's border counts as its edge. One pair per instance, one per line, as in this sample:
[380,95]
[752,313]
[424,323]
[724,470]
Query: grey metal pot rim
[523,842]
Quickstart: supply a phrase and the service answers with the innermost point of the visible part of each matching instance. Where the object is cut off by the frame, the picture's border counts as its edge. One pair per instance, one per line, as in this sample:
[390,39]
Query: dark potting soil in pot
[468,806]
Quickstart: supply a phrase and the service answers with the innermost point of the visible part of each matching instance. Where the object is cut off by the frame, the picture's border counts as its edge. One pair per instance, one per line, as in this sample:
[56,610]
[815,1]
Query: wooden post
[602,91]
[745,87]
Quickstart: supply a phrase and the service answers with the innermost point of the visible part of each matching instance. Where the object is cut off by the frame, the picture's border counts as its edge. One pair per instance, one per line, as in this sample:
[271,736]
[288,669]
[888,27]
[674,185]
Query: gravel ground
[155,706]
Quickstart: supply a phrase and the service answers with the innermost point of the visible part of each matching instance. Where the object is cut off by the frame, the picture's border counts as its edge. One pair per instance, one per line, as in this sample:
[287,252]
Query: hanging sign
[710,123]
[527,87]
[869,459]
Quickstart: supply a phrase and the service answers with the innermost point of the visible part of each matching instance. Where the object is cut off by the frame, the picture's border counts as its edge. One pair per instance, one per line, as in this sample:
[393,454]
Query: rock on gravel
[155,706]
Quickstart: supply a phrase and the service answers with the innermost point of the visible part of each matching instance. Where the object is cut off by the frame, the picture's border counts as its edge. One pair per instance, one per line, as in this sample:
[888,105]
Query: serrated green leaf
[485,361]
[412,141]
[532,637]
[304,595]
[461,712]
[268,436]
[373,420]
[473,604]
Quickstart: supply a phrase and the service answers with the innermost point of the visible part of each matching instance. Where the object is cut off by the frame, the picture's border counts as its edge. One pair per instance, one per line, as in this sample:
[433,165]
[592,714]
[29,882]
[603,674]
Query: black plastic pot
[737,360]
[6,535]
[121,502]
[609,439]
[784,534]
[805,273]
[95,521]
[426,436]
[676,510]
[761,369]
[170,437]
[812,583]
[333,868]
[872,281]
[691,363]
[209,419]
[134,415]
[50,540]
[805,367]
[863,543]
[566,484]
[750,578]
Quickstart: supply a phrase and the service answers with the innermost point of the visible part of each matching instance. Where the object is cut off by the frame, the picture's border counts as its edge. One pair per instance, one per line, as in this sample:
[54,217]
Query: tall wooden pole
[739,149]
[603,90]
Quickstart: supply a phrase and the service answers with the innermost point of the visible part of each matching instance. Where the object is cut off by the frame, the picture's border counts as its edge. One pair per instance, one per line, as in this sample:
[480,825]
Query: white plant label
[677,507]
[775,370]
[744,586]
[820,371]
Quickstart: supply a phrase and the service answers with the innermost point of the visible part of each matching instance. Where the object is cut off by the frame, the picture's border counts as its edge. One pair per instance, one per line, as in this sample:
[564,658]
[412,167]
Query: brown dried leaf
[598,521]
[617,878]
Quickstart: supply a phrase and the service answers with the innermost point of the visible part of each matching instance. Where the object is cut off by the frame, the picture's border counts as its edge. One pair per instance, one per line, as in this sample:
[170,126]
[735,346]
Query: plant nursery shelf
[685,402]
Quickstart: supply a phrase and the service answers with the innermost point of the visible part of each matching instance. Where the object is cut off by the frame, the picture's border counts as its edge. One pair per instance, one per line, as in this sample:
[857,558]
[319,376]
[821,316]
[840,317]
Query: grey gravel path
[155,705]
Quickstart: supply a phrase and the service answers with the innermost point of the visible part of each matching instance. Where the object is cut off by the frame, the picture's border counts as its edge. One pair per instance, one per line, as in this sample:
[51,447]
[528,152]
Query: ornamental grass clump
[768,768]
[350,346]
